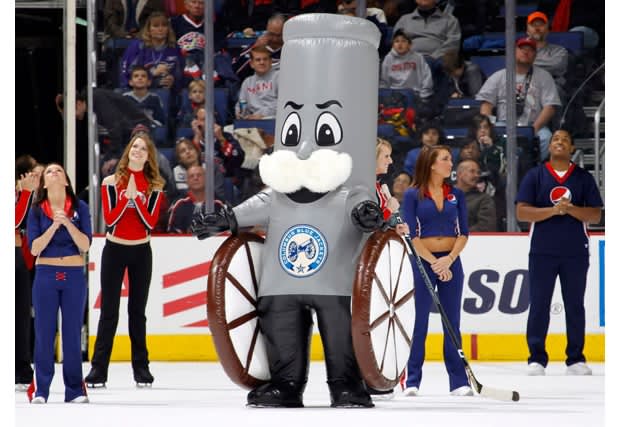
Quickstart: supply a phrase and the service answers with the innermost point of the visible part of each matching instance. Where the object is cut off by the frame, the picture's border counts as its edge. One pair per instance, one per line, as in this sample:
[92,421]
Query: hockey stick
[493,393]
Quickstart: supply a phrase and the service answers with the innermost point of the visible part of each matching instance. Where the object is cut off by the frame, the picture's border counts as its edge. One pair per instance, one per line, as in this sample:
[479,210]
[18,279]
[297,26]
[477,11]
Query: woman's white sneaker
[411,391]
[578,368]
[462,391]
[79,399]
[38,400]
[535,369]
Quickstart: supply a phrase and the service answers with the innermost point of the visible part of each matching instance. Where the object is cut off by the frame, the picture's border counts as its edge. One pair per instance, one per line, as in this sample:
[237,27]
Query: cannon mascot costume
[318,206]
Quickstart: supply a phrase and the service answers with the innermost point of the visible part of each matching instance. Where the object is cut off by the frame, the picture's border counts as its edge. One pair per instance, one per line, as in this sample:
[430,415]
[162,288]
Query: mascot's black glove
[367,216]
[205,224]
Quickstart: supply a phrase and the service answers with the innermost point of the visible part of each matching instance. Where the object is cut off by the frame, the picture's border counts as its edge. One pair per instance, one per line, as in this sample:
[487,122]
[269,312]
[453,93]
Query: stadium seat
[268,125]
[408,94]
[496,41]
[455,137]
[168,152]
[459,112]
[240,42]
[386,130]
[489,64]
[528,148]
[164,95]
[160,137]
[184,133]
[571,40]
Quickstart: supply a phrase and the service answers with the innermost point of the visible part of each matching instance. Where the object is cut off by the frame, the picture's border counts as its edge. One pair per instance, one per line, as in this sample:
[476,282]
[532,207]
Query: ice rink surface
[200,393]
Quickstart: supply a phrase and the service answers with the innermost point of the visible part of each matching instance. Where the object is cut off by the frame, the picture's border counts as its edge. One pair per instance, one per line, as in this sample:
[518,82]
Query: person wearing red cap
[536,94]
[551,57]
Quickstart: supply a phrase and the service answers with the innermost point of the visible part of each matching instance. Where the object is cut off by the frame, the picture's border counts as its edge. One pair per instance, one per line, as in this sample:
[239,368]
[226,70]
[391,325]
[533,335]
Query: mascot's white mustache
[323,171]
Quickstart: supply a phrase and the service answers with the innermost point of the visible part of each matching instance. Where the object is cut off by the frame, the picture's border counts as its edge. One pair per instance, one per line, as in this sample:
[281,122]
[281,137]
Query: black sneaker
[97,377]
[142,376]
[347,396]
[285,395]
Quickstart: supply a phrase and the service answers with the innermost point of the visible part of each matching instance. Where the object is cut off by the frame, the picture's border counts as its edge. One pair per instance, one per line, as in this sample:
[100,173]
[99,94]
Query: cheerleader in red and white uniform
[131,200]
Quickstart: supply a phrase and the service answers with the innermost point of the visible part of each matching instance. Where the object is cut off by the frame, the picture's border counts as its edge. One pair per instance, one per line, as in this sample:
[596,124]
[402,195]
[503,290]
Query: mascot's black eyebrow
[295,106]
[328,103]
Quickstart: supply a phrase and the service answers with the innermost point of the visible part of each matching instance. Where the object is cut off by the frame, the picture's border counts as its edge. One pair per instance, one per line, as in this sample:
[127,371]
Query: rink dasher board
[493,316]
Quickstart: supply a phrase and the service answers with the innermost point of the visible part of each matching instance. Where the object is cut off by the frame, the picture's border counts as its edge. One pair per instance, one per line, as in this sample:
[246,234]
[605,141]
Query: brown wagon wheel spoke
[251,349]
[402,329]
[241,289]
[387,340]
[400,271]
[404,299]
[241,320]
[395,322]
[384,294]
[251,264]
[379,320]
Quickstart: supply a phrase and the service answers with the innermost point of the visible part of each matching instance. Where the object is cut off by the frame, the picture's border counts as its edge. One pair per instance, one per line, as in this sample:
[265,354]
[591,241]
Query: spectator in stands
[430,134]
[480,206]
[271,39]
[60,232]
[156,51]
[403,68]
[464,78]
[228,152]
[181,211]
[374,15]
[559,199]
[536,94]
[492,156]
[259,93]
[149,102]
[187,154]
[189,31]
[550,57]
[124,18]
[117,114]
[402,181]
[187,112]
[25,184]
[433,32]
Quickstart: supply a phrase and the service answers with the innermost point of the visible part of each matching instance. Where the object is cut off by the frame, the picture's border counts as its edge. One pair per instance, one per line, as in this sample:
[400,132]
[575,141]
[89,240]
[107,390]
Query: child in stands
[147,101]
[196,95]
[259,92]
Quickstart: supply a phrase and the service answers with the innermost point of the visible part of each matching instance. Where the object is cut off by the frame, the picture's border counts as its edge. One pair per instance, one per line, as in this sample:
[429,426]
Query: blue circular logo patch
[302,251]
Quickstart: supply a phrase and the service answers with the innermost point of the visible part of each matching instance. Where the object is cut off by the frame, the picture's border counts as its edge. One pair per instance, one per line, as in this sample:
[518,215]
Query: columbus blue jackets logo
[558,193]
[451,198]
[302,250]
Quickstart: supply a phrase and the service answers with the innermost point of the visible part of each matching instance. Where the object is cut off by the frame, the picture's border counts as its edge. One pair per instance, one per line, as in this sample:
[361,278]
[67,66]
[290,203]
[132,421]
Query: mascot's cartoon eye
[328,130]
[291,131]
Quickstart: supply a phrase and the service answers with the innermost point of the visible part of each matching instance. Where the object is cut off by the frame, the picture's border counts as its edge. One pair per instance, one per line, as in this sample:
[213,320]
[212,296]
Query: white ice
[200,393]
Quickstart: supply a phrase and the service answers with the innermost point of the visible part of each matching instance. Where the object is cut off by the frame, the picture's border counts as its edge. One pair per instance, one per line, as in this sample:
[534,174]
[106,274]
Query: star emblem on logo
[300,268]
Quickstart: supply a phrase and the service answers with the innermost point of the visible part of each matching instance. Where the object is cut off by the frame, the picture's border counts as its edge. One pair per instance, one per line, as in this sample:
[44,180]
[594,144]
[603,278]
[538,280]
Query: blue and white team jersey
[561,234]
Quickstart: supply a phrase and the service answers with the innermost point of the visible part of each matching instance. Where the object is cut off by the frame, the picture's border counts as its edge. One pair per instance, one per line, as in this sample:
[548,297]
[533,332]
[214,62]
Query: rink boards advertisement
[494,308]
